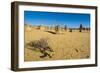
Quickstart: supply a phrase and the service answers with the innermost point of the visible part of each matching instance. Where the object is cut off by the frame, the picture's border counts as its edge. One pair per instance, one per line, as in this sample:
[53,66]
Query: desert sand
[66,45]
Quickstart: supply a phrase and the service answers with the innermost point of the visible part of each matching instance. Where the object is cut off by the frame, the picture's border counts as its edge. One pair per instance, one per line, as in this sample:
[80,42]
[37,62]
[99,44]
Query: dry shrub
[41,44]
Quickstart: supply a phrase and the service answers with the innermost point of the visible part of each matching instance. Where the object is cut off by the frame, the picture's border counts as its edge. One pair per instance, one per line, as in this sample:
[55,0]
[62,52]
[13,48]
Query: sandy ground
[67,45]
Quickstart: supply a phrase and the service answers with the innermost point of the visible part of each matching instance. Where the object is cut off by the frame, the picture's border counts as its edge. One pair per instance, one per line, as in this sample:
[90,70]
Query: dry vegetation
[65,45]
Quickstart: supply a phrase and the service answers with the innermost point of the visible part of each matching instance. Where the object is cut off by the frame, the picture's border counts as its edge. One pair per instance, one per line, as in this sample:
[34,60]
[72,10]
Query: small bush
[41,45]
[70,30]
[80,28]
[57,28]
[39,27]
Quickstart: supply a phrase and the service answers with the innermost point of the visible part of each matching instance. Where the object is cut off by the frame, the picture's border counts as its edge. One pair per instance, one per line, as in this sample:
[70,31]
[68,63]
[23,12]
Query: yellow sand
[66,45]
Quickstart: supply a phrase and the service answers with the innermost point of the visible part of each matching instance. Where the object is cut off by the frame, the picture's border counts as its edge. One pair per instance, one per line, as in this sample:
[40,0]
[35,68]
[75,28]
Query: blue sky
[72,20]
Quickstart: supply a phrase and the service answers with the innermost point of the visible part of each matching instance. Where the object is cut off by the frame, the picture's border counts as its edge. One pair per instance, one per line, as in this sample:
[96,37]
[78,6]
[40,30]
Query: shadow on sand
[51,32]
